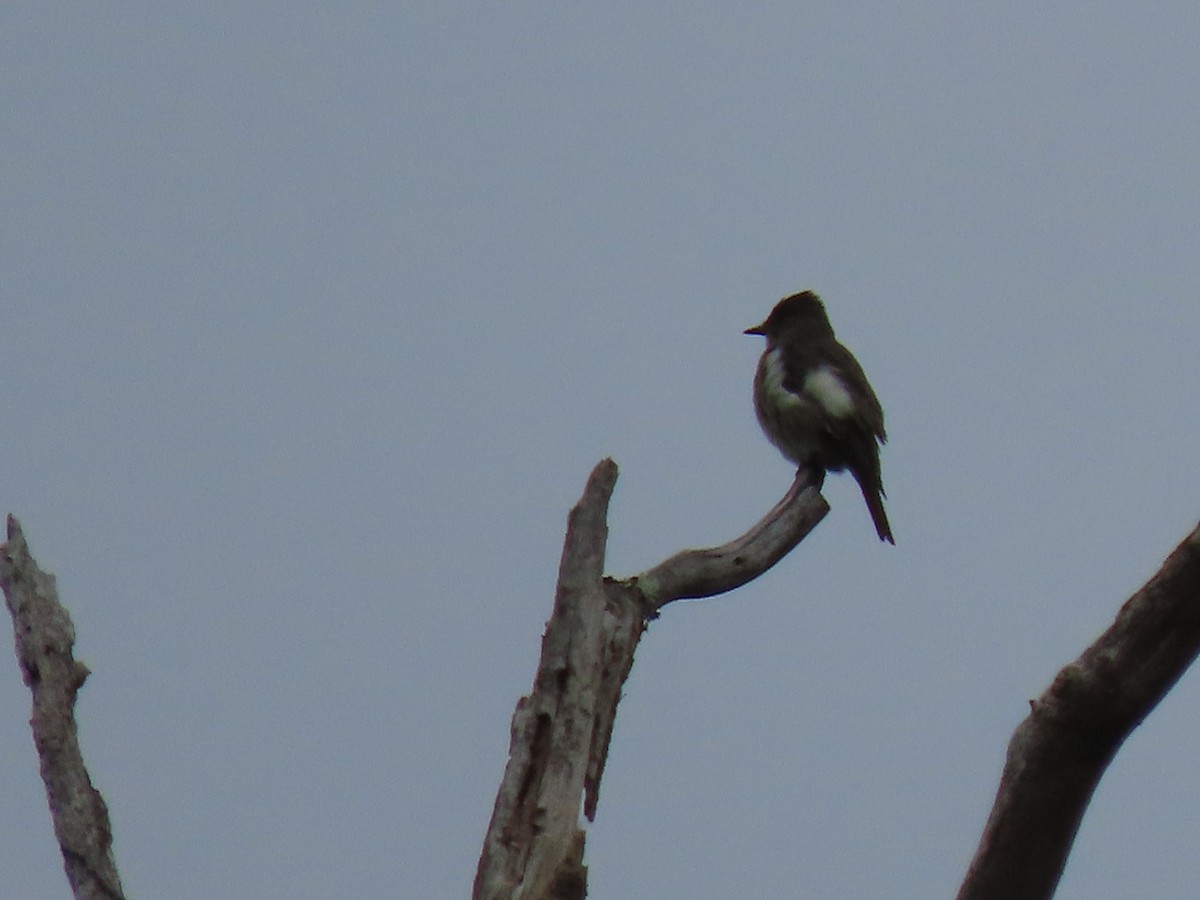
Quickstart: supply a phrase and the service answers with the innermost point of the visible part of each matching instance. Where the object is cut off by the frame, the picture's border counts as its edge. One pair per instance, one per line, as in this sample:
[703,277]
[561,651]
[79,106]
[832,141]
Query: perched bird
[814,402]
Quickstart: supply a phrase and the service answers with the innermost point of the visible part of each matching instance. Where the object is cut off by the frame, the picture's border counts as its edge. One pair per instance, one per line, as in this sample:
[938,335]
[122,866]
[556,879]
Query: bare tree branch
[1057,755]
[560,732]
[694,574]
[534,846]
[45,637]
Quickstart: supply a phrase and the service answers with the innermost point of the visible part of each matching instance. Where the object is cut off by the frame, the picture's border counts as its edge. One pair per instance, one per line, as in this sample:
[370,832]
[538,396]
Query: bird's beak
[757,329]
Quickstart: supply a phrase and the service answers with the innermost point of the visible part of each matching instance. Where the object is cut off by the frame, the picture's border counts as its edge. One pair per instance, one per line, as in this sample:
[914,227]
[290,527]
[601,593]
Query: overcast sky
[314,319]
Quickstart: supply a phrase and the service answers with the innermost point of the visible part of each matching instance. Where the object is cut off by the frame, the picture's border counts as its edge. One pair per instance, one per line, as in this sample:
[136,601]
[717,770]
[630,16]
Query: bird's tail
[872,491]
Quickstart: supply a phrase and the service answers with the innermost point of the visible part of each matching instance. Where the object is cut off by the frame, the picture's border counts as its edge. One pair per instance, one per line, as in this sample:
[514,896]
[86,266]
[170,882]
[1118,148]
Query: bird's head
[803,311]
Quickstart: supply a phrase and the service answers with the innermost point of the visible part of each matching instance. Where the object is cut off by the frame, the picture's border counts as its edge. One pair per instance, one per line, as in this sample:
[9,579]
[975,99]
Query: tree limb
[45,637]
[1057,755]
[560,733]
[694,574]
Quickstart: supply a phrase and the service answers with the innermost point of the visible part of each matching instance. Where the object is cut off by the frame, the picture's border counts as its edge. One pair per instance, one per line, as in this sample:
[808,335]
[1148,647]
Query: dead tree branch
[560,732]
[1057,755]
[45,637]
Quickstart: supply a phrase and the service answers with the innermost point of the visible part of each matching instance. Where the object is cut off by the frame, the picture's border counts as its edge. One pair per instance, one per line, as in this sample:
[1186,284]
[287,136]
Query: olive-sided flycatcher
[814,402]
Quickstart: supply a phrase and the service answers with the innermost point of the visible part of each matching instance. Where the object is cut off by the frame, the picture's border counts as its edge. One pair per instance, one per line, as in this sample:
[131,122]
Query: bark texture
[534,846]
[45,638]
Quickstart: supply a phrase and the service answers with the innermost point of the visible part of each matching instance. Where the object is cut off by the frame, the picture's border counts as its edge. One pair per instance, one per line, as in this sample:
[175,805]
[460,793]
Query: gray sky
[315,320]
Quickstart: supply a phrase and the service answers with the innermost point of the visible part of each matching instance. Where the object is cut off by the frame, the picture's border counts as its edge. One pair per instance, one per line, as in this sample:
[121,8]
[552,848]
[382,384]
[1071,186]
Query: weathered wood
[692,574]
[533,849]
[45,639]
[534,846]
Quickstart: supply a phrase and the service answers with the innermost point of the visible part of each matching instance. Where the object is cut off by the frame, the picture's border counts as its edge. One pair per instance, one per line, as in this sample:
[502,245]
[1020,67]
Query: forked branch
[560,735]
[561,731]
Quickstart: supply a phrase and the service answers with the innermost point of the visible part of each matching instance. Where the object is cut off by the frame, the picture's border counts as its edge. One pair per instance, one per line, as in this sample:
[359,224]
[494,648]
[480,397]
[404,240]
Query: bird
[814,402]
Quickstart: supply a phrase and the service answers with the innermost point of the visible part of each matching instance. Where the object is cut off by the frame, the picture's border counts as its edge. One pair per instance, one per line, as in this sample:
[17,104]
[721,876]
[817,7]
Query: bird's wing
[829,374]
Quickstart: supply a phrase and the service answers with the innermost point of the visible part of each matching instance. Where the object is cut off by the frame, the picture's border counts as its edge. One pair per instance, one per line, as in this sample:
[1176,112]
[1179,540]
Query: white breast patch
[773,372]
